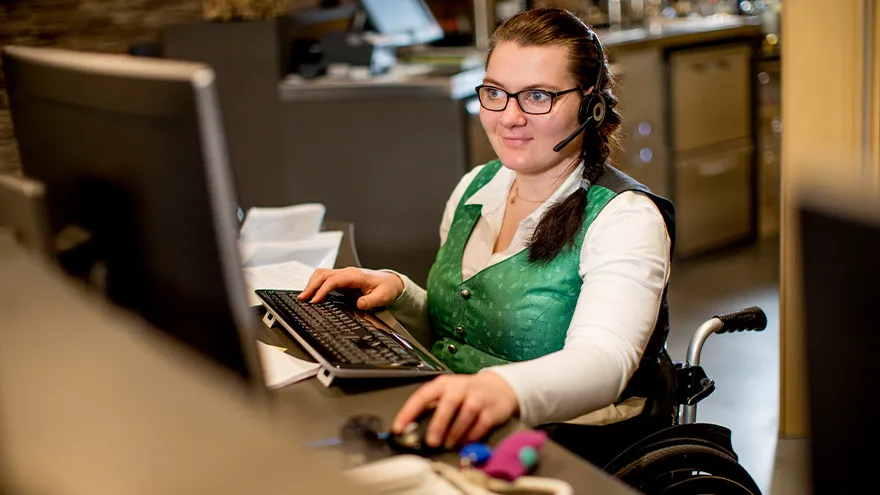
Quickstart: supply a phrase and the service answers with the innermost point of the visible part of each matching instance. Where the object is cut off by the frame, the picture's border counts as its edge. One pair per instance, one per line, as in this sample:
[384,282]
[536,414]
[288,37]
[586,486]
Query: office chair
[23,211]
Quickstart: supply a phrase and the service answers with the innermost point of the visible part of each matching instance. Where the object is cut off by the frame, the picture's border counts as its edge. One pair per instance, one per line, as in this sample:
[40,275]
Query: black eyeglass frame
[553,96]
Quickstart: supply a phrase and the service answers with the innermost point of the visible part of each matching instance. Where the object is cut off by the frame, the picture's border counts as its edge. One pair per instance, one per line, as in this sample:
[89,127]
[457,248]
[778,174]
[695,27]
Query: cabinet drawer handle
[716,167]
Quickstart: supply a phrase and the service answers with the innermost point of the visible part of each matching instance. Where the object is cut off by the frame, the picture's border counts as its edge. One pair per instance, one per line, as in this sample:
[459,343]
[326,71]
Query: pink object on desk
[507,463]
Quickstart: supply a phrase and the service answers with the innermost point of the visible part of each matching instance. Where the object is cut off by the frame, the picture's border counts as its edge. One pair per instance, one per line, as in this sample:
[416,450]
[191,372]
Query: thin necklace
[517,196]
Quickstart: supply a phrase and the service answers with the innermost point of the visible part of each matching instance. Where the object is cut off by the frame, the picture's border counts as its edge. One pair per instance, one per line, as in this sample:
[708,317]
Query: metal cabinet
[712,143]
[713,203]
[710,94]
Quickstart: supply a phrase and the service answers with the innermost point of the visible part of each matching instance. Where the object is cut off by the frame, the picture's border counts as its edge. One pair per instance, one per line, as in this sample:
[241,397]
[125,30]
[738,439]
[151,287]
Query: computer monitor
[840,260]
[403,22]
[132,152]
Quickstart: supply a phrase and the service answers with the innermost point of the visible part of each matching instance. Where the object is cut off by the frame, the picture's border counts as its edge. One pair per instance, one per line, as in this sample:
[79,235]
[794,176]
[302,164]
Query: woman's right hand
[378,288]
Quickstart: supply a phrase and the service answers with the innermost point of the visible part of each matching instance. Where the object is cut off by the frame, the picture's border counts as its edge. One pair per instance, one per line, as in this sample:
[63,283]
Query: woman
[548,291]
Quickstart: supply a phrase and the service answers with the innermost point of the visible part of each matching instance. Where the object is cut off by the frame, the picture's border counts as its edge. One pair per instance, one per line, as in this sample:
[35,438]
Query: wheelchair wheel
[688,470]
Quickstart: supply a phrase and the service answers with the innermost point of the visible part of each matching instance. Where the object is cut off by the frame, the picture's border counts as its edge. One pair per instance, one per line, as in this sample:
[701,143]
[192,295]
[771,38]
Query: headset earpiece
[598,112]
[592,108]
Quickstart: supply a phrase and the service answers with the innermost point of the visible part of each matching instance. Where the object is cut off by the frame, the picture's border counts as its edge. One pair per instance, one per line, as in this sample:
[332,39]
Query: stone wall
[94,25]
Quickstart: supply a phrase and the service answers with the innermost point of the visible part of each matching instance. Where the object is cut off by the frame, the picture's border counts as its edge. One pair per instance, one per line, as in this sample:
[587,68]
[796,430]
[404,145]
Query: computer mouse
[412,438]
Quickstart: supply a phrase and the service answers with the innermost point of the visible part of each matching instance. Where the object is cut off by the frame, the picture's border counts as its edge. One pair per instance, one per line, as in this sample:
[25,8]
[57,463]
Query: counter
[681,32]
[420,79]
[415,80]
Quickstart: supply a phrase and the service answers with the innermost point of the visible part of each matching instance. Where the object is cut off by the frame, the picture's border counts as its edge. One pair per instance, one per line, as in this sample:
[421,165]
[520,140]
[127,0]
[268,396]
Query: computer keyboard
[341,335]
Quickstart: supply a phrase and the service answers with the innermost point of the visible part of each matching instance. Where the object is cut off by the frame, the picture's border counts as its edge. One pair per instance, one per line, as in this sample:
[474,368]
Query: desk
[321,411]
[138,383]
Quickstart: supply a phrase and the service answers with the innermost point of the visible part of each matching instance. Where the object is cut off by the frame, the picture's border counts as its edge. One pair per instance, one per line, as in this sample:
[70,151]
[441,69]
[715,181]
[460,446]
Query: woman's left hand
[467,407]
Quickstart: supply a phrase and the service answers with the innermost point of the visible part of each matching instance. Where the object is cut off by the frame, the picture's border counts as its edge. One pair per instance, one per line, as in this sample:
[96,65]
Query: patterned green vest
[514,310]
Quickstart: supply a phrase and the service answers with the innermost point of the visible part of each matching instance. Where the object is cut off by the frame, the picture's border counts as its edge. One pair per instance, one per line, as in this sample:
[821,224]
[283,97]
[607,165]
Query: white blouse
[624,265]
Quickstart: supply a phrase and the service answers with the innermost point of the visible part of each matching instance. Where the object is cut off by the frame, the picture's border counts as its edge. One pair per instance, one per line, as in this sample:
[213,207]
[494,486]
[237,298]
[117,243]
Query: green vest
[514,310]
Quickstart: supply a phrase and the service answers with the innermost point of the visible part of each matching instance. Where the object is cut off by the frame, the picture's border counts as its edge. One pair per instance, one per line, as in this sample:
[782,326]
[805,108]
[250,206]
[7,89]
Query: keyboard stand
[323,375]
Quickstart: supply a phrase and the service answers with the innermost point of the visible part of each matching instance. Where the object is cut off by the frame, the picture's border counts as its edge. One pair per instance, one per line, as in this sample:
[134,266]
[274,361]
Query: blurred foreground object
[93,401]
[23,212]
[839,234]
[841,147]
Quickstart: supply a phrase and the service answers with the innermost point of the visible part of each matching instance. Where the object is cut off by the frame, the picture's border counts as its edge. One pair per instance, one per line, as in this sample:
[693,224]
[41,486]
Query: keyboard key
[338,335]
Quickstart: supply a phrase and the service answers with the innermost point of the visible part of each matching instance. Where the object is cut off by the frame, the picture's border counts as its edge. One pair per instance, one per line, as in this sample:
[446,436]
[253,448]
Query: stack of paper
[288,223]
[318,251]
[281,247]
[280,368]
[292,233]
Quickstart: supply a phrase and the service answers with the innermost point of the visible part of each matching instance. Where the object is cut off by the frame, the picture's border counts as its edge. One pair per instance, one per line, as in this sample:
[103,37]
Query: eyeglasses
[531,101]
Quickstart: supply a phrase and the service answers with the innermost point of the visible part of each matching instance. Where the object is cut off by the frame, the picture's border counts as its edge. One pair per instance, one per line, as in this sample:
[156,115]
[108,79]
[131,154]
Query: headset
[593,104]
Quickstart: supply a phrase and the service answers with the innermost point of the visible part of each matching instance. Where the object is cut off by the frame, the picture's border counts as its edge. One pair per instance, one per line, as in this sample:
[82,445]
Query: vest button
[465,293]
[460,331]
[451,348]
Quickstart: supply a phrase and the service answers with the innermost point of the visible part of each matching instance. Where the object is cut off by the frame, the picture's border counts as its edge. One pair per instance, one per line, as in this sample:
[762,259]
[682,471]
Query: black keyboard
[332,328]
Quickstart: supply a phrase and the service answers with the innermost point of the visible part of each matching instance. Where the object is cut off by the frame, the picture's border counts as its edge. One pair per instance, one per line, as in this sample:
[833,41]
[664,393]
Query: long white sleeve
[624,266]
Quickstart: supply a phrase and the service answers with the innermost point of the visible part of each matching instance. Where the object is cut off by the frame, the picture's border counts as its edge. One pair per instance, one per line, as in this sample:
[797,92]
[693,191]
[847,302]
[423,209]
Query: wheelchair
[690,458]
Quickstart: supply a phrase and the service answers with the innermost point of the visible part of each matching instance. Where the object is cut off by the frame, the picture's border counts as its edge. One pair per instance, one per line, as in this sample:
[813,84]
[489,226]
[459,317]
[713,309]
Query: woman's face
[522,141]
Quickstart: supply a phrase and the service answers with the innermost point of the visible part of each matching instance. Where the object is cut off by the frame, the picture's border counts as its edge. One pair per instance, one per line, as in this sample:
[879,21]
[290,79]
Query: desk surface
[321,411]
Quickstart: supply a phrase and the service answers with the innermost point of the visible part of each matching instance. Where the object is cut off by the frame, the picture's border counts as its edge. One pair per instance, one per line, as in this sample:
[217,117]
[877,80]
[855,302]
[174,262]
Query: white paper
[318,251]
[284,224]
[280,368]
[290,275]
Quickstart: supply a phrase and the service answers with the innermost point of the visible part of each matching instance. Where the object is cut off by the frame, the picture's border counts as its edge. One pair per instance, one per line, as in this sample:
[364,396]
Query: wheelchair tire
[705,484]
[686,470]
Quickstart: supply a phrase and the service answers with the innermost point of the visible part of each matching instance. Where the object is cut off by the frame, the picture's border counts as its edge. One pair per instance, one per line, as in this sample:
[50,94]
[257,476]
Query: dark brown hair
[557,27]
